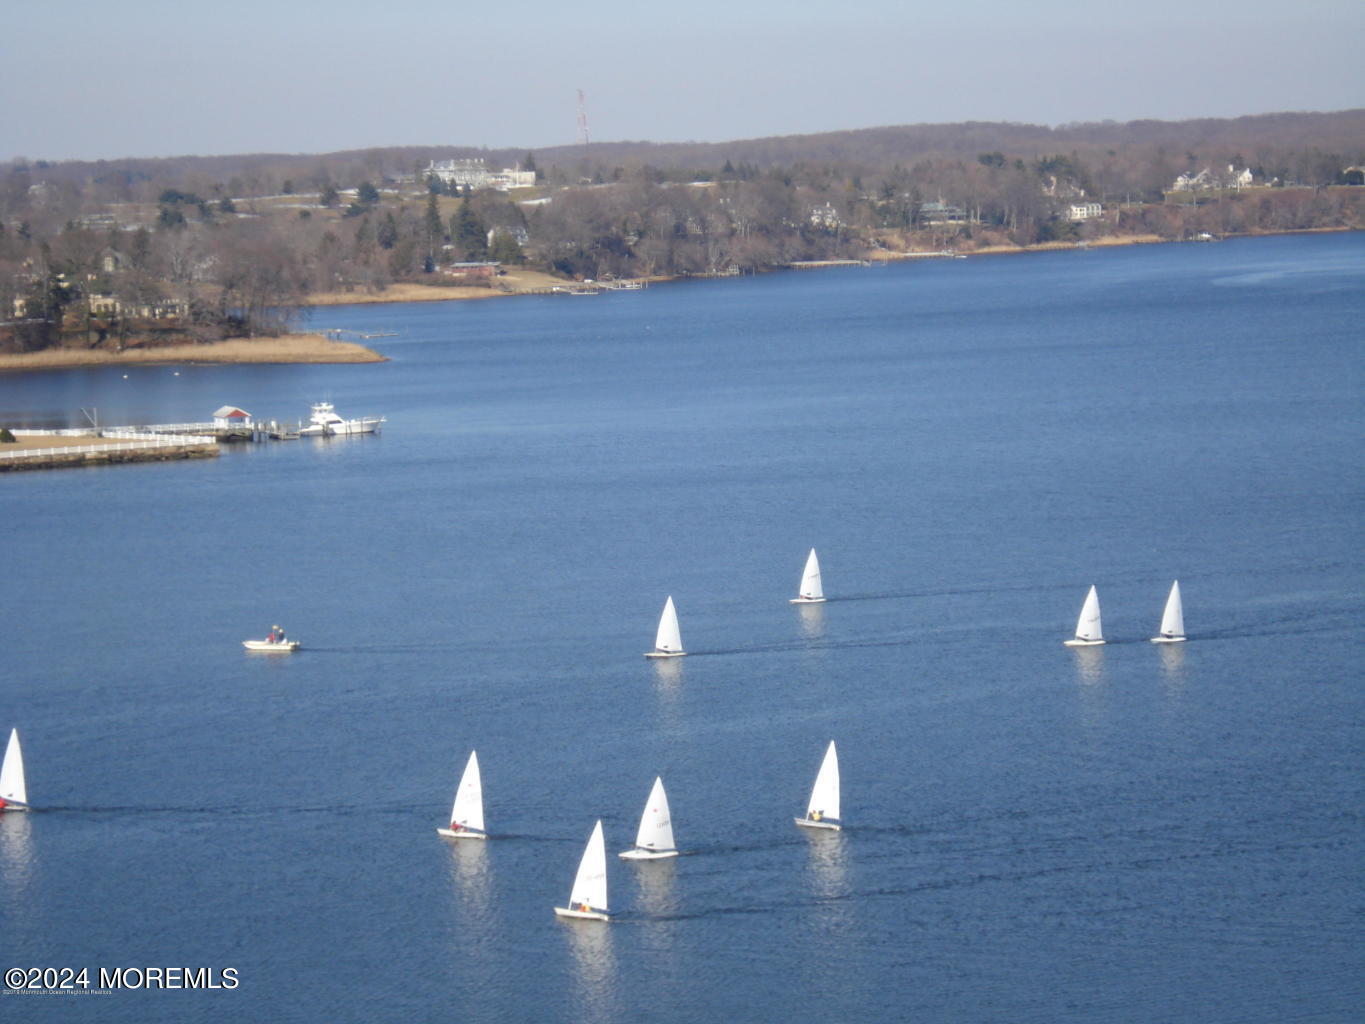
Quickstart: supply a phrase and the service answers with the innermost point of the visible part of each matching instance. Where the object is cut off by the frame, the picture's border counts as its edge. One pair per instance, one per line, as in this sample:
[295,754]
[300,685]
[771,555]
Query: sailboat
[668,641]
[466,817]
[823,809]
[13,793]
[654,841]
[811,591]
[1172,619]
[588,897]
[1088,632]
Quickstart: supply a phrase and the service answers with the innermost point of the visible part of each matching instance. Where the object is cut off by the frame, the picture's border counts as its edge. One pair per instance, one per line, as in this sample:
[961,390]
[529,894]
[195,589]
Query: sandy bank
[292,348]
[514,282]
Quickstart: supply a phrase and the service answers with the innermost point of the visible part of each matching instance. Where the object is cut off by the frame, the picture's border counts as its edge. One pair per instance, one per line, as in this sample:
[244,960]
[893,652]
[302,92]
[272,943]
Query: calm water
[1034,833]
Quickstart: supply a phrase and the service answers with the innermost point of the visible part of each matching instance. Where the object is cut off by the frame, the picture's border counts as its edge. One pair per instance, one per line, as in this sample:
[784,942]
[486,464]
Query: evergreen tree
[468,234]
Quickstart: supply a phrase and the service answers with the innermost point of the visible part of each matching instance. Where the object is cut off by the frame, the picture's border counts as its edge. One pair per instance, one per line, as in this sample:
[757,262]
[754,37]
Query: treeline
[102,252]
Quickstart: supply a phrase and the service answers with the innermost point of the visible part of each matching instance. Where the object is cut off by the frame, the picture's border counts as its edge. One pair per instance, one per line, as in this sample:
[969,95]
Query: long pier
[126,447]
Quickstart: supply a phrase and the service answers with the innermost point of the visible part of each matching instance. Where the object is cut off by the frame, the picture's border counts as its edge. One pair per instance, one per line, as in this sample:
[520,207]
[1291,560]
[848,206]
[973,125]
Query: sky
[106,80]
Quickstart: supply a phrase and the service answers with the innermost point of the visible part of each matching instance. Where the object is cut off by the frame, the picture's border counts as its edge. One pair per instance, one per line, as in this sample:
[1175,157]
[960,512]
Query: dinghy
[466,817]
[668,641]
[811,590]
[588,898]
[1088,632]
[654,841]
[823,809]
[1172,629]
[13,793]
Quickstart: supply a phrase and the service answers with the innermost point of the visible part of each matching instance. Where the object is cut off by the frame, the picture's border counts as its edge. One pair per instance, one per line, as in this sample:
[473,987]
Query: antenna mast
[582,119]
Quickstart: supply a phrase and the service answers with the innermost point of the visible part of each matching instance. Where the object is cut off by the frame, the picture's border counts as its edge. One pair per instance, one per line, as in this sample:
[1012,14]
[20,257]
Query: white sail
[588,897]
[812,591]
[466,816]
[12,789]
[668,641]
[655,838]
[1088,630]
[823,809]
[1172,619]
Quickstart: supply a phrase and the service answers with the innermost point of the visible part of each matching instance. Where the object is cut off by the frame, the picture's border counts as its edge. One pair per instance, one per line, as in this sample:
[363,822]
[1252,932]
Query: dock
[37,449]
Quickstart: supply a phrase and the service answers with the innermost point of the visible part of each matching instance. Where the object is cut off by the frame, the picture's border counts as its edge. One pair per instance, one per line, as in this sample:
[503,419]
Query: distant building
[1083,211]
[515,232]
[826,217]
[474,174]
[231,416]
[473,273]
[939,212]
[1207,179]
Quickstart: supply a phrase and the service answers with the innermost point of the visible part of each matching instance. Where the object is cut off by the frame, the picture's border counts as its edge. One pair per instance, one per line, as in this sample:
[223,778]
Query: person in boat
[816,815]
[270,637]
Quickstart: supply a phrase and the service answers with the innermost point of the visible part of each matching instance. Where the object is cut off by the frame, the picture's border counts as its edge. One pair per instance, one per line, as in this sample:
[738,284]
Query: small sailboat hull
[464,833]
[582,915]
[819,823]
[1084,643]
[640,853]
[268,647]
[665,654]
[807,600]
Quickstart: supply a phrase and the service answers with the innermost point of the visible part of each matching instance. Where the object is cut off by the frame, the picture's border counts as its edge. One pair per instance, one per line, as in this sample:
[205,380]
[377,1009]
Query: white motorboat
[1172,629]
[812,591]
[275,643]
[1088,631]
[588,898]
[324,422]
[13,792]
[466,817]
[823,809]
[654,841]
[668,640]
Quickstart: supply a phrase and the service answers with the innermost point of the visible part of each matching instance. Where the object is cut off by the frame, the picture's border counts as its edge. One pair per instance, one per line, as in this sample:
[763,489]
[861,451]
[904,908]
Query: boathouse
[229,417]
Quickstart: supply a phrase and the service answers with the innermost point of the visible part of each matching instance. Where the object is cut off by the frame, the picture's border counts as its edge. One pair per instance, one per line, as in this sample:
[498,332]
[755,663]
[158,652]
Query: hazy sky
[115,78]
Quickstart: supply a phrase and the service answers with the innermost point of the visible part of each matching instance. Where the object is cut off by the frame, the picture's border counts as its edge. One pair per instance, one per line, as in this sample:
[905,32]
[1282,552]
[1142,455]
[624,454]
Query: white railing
[65,432]
[159,434]
[166,428]
[143,444]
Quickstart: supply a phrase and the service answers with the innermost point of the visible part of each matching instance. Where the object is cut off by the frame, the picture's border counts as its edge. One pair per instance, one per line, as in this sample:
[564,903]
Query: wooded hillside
[122,251]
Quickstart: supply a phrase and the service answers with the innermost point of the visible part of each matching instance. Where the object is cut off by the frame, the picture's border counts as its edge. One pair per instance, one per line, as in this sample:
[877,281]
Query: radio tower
[582,119]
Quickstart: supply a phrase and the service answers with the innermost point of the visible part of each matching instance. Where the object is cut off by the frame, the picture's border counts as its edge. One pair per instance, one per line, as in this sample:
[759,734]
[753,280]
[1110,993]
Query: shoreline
[289,348]
[539,282]
[311,347]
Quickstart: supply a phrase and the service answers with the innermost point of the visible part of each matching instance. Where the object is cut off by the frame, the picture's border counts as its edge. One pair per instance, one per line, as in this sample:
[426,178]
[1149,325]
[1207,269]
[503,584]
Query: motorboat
[275,643]
[325,422]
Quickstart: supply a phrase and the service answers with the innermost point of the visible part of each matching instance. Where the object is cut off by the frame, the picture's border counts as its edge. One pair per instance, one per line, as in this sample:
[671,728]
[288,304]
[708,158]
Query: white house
[1084,211]
[475,174]
[1206,179]
[826,217]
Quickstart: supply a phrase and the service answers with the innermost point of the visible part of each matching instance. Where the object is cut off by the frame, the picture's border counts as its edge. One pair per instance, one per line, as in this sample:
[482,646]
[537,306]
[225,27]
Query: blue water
[1034,833]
